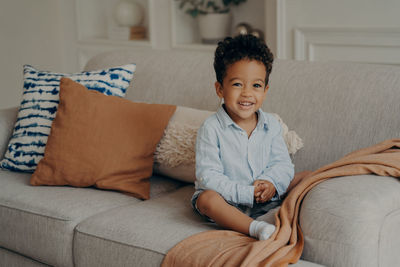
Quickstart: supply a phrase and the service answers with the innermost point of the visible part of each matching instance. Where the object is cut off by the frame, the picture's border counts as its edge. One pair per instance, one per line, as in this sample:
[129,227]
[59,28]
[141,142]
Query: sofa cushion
[99,140]
[336,107]
[39,106]
[183,78]
[352,221]
[46,216]
[12,259]
[142,234]
[139,234]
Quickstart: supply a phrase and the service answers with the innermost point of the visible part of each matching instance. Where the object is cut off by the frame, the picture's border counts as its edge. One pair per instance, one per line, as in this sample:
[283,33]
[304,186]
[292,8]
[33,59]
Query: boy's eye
[237,84]
[256,85]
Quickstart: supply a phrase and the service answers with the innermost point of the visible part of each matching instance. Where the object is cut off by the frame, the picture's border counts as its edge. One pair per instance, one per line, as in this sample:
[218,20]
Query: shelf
[185,32]
[167,26]
[94,18]
[196,46]
[105,41]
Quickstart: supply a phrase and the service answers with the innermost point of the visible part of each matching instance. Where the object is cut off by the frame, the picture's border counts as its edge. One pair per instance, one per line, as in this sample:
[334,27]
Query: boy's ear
[218,89]
[266,88]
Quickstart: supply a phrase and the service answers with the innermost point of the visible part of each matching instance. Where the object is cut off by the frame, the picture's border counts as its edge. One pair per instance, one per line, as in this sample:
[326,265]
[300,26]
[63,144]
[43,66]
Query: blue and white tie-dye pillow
[39,106]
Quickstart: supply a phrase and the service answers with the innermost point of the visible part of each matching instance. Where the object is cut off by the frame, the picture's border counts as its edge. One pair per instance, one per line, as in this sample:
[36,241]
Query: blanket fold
[229,248]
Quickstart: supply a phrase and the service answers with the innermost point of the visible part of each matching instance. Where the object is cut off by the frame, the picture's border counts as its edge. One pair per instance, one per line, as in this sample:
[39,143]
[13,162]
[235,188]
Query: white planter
[214,27]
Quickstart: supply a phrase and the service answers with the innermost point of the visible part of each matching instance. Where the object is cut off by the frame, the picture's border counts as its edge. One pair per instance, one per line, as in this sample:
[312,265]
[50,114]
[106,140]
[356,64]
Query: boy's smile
[243,90]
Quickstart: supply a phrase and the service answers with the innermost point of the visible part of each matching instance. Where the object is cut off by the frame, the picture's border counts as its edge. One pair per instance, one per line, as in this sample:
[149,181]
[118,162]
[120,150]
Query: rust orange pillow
[102,141]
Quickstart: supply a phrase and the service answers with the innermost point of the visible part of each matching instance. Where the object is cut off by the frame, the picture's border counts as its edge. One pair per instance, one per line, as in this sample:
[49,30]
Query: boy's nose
[245,90]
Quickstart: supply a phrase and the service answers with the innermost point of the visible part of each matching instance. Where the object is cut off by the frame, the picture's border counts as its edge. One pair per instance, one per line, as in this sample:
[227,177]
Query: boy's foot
[261,230]
[269,217]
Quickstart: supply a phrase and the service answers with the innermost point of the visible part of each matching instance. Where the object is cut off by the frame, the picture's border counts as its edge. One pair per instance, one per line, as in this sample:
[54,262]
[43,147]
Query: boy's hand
[263,191]
[258,190]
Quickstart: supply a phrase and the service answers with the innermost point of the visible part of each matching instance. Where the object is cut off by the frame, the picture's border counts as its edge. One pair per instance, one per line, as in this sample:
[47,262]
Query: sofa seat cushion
[47,216]
[11,259]
[142,234]
[352,221]
[138,235]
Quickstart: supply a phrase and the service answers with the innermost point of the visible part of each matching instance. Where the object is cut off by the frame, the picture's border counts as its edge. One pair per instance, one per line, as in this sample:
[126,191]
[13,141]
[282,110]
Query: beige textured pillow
[175,153]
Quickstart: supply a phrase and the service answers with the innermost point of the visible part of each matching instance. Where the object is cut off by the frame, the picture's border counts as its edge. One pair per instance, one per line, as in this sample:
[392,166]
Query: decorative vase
[214,27]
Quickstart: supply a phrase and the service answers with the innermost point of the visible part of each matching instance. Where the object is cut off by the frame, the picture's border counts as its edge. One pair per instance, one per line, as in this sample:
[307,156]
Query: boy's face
[243,89]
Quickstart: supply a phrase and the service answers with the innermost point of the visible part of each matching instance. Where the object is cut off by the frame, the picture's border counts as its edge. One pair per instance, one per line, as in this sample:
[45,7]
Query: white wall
[350,30]
[31,32]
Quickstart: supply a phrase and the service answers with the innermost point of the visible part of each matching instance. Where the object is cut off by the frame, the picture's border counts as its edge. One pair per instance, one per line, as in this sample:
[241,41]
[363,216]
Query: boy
[242,162]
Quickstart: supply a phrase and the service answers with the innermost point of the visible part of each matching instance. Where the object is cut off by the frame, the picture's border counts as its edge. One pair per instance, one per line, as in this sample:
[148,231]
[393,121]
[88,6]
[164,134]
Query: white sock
[261,230]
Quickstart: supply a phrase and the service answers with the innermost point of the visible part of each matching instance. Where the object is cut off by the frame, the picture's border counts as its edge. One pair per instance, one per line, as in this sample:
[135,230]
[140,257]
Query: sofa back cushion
[334,107]
[183,77]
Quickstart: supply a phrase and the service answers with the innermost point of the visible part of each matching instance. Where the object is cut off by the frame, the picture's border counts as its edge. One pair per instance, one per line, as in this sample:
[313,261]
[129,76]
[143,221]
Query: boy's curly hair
[231,50]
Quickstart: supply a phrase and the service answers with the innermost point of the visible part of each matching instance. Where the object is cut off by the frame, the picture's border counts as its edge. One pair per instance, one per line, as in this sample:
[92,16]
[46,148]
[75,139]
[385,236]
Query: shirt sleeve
[280,169]
[210,170]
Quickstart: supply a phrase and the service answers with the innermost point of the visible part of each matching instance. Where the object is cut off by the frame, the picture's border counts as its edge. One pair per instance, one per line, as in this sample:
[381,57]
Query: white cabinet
[167,26]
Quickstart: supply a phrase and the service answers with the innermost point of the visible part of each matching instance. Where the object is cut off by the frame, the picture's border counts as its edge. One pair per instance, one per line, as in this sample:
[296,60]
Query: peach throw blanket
[229,248]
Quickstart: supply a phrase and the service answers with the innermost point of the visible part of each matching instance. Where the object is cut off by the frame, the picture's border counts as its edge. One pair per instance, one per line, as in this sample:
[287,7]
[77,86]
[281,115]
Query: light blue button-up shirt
[229,162]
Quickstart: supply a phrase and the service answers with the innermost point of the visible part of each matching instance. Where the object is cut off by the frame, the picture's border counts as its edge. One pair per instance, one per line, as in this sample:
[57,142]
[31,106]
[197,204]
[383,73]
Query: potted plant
[213,16]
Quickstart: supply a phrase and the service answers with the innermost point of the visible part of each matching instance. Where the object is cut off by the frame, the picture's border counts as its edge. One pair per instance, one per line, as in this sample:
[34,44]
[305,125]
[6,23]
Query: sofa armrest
[7,120]
[352,221]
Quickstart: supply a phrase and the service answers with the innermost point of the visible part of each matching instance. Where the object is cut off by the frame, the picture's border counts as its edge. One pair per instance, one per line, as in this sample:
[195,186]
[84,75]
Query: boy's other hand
[258,189]
[263,191]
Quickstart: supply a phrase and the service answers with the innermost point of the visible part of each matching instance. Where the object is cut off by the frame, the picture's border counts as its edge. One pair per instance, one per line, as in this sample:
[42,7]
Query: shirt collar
[226,121]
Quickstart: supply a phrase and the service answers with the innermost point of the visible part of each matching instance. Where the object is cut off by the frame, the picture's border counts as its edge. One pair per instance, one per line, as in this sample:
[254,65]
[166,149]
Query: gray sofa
[334,107]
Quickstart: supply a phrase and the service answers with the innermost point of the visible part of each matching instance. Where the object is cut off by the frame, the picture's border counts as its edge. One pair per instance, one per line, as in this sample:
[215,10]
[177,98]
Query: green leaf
[193,12]
[226,2]
[197,7]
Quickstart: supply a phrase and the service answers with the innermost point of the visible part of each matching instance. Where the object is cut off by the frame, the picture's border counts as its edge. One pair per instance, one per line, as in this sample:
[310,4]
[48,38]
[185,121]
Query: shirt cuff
[277,196]
[246,195]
